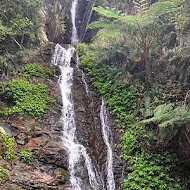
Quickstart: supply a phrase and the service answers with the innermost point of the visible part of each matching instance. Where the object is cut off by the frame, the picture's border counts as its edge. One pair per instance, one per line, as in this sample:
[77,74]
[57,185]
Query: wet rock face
[81,16]
[89,129]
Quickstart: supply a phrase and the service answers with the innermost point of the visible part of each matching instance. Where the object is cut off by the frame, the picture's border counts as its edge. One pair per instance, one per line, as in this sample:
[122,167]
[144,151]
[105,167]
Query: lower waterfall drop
[76,152]
[107,139]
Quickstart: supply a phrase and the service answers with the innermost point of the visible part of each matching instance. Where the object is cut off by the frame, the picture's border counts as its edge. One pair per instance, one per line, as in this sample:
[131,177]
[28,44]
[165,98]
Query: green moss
[63,173]
[28,98]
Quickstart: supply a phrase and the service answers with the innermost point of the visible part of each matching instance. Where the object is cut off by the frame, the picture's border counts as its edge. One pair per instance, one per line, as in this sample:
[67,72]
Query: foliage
[28,98]
[3,172]
[141,6]
[150,172]
[7,64]
[81,49]
[140,32]
[146,170]
[155,36]
[26,156]
[55,19]
[169,120]
[36,70]
[20,21]
[9,144]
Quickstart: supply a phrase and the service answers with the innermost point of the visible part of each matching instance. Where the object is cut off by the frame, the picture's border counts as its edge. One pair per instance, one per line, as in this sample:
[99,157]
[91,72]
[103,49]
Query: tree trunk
[148,65]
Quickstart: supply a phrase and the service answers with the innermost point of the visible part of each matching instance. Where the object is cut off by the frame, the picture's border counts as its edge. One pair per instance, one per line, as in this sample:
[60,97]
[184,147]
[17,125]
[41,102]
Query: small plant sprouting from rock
[3,172]
[26,156]
[9,145]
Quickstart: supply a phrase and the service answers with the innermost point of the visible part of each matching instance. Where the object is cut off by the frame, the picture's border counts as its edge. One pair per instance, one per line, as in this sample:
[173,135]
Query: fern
[107,12]
[169,121]
[99,24]
[141,6]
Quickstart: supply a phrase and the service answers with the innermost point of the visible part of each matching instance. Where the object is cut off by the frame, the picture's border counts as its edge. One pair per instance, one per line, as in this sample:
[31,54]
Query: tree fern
[141,6]
[99,24]
[107,12]
[169,120]
[143,29]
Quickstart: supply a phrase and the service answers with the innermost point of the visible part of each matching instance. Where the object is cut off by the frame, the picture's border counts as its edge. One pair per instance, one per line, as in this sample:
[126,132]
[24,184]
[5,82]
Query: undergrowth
[28,98]
[26,156]
[36,70]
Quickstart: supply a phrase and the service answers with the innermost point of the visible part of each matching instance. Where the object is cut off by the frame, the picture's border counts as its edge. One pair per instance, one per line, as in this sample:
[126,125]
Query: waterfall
[81,166]
[85,83]
[74,37]
[86,19]
[76,152]
[107,139]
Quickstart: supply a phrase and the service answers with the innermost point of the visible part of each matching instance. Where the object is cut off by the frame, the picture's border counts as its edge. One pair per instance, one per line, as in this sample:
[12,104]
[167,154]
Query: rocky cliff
[49,170]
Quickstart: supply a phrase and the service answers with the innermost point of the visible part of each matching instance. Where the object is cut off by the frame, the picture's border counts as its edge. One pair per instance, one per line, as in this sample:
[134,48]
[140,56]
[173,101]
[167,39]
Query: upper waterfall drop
[74,37]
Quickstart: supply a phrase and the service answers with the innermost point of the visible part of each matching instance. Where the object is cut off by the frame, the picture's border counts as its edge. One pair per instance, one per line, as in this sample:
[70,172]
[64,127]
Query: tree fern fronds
[107,33]
[164,8]
[141,6]
[107,12]
[99,24]
[169,120]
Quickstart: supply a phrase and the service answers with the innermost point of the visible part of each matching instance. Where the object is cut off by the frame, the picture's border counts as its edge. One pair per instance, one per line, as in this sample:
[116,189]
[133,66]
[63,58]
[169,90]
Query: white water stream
[106,131]
[77,153]
[74,37]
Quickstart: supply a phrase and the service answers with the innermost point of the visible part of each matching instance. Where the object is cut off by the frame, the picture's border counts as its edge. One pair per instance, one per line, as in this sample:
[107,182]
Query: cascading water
[85,83]
[74,37]
[86,19]
[76,152]
[80,163]
[107,139]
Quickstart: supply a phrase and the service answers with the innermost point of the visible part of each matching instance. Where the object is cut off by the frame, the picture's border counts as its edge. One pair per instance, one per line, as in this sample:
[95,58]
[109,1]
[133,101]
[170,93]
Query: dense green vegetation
[139,63]
[36,70]
[20,23]
[28,98]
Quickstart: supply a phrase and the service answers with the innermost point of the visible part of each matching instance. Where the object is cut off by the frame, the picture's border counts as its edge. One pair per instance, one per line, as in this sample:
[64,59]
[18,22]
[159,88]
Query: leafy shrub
[130,145]
[3,172]
[28,98]
[26,156]
[150,172]
[82,48]
[36,70]
[9,144]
